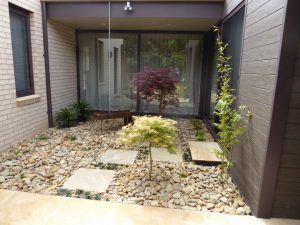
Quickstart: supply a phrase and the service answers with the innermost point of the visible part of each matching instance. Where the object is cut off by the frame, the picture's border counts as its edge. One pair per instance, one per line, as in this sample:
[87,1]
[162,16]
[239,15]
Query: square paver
[162,154]
[204,151]
[90,180]
[118,157]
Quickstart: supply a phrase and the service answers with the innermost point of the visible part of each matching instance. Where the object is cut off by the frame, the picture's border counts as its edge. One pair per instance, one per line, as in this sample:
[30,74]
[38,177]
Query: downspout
[47,69]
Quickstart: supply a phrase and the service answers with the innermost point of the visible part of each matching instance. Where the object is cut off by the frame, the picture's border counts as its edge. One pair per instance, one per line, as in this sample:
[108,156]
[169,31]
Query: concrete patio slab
[22,208]
[90,180]
[118,157]
[28,208]
[162,154]
[204,151]
[4,195]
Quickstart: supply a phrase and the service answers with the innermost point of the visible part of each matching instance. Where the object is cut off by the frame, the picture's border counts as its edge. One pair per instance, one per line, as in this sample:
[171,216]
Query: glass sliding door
[89,76]
[106,69]
[182,53]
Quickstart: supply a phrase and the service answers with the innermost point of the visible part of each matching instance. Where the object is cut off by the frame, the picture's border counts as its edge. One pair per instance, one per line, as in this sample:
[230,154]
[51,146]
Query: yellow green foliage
[155,130]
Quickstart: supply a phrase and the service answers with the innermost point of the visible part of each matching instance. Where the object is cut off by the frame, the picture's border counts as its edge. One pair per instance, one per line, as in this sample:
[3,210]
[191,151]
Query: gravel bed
[43,163]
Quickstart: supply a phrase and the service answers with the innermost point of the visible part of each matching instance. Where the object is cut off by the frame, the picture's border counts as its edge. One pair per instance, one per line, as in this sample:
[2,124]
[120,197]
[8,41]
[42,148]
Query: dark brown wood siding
[287,193]
[257,83]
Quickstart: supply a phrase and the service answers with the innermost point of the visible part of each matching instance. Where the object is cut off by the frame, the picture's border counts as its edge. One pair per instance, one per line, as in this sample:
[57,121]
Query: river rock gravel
[43,163]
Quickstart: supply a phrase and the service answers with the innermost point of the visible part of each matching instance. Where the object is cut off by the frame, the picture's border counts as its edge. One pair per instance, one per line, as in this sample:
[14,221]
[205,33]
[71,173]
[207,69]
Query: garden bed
[42,165]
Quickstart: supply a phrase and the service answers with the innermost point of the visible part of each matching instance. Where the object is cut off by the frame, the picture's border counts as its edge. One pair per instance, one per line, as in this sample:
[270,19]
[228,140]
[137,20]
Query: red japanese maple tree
[158,84]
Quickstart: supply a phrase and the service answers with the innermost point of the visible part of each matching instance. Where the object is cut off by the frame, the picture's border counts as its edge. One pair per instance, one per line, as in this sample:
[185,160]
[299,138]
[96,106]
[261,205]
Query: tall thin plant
[230,123]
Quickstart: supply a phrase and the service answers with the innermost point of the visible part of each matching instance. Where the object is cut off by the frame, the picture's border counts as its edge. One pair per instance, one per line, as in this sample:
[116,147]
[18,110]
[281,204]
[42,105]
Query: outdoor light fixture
[128,8]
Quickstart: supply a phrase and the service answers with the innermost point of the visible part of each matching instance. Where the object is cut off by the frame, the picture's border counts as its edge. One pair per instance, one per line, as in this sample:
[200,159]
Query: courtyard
[47,163]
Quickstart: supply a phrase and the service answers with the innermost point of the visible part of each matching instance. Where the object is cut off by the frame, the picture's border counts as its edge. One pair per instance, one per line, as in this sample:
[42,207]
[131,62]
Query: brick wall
[19,122]
[62,60]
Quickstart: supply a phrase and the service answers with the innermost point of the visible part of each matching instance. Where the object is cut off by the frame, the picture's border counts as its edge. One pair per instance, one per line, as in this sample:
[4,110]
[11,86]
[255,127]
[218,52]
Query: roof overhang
[154,15]
[132,1]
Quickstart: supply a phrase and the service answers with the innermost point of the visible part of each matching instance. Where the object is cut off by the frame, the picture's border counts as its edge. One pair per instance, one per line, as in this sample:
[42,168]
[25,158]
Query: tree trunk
[150,153]
[160,105]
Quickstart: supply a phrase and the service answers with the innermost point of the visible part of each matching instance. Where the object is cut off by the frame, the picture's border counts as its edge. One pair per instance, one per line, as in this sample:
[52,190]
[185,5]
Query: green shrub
[82,110]
[18,151]
[73,137]
[97,197]
[86,148]
[197,124]
[41,137]
[200,135]
[199,129]
[183,175]
[64,192]
[187,156]
[88,195]
[79,192]
[65,118]
[155,131]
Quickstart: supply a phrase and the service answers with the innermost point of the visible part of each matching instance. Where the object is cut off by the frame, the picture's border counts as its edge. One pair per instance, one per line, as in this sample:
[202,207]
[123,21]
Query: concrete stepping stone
[89,180]
[118,157]
[162,154]
[204,151]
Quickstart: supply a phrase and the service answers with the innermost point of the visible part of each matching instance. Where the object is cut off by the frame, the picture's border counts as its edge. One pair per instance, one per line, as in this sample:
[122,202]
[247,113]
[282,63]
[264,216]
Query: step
[162,154]
[123,157]
[204,151]
[89,180]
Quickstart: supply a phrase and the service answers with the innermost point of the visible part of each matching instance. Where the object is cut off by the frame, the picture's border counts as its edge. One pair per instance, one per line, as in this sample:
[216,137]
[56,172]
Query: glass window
[232,35]
[107,67]
[182,53]
[213,81]
[19,25]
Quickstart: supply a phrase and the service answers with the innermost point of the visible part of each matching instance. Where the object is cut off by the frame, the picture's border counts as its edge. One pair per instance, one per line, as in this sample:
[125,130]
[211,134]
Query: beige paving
[17,208]
[204,151]
[26,209]
[119,157]
[89,180]
[162,154]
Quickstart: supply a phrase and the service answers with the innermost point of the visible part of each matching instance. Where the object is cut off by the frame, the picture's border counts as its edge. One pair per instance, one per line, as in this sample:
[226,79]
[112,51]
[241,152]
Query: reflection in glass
[182,53]
[233,36]
[108,67]
[108,89]
[214,84]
